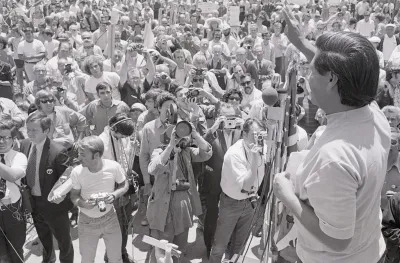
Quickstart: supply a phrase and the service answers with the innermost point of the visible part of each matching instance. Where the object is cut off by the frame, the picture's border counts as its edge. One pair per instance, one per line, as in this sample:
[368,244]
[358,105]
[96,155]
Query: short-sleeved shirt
[15,160]
[33,48]
[102,181]
[341,179]
[234,170]
[111,78]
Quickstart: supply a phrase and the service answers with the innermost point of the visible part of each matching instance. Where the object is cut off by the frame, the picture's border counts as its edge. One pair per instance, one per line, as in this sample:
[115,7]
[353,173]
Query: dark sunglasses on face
[234,98]
[44,101]
[198,80]
[246,83]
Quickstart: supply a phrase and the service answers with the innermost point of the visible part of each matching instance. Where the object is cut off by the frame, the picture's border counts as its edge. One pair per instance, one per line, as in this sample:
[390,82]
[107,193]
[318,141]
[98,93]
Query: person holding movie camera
[119,147]
[94,192]
[241,175]
[12,168]
[174,198]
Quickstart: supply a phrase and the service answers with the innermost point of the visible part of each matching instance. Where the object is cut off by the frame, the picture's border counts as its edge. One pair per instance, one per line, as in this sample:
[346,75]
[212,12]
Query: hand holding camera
[101,199]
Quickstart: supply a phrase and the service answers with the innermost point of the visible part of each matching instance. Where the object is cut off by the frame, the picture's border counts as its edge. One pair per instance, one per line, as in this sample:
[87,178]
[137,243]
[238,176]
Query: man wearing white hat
[375,42]
[228,39]
[388,42]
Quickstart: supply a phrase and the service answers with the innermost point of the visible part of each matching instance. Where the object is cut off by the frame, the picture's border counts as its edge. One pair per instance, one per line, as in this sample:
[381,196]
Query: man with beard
[88,48]
[251,94]
[217,41]
[228,39]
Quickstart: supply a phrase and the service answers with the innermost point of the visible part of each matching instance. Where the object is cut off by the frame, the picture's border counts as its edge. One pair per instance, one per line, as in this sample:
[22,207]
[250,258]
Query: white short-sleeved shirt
[34,48]
[341,179]
[111,78]
[234,170]
[93,183]
[18,161]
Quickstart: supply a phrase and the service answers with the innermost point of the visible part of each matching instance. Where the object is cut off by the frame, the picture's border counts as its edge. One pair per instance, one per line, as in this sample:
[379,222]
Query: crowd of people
[169,120]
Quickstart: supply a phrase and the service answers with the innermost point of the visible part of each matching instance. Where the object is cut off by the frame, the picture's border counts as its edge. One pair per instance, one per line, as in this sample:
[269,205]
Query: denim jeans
[234,220]
[90,230]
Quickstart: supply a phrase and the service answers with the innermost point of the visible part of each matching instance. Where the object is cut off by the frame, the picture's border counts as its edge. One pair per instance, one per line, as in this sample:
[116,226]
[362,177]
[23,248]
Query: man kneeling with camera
[94,192]
[242,173]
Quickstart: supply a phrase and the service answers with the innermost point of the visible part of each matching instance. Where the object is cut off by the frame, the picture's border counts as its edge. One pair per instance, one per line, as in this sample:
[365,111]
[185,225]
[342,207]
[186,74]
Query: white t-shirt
[16,160]
[341,179]
[50,47]
[34,48]
[365,29]
[93,183]
[111,78]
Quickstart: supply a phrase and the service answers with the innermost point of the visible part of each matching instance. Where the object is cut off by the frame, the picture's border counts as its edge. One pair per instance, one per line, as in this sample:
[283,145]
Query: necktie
[2,158]
[259,66]
[31,169]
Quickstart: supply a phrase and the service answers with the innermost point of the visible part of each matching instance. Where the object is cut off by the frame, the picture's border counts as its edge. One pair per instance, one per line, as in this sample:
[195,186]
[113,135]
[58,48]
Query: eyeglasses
[44,101]
[5,138]
[246,83]
[198,80]
[234,98]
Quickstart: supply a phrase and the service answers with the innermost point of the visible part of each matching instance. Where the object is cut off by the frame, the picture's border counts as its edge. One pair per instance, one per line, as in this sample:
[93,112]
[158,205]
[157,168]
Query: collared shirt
[97,115]
[365,29]
[15,160]
[236,168]
[150,140]
[8,107]
[250,99]
[39,149]
[341,179]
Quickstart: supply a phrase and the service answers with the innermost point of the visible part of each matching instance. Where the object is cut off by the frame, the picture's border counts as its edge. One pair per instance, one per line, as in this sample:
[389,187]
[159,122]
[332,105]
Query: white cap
[390,25]
[374,39]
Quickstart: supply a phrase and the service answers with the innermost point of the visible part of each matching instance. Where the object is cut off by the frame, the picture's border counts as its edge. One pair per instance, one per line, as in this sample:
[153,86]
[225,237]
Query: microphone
[269,96]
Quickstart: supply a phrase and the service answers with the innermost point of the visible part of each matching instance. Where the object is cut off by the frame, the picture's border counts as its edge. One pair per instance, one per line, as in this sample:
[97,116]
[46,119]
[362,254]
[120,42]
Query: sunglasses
[245,83]
[198,80]
[234,98]
[44,101]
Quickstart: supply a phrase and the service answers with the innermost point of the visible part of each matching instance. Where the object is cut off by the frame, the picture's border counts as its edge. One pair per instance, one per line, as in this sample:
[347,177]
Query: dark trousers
[48,223]
[280,67]
[212,192]
[15,231]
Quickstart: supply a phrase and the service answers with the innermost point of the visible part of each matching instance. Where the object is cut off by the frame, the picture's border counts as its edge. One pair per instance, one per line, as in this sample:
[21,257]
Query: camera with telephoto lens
[99,199]
[192,93]
[3,188]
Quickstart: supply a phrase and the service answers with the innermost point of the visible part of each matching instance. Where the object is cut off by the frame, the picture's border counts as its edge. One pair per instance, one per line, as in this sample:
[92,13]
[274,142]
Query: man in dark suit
[220,140]
[265,68]
[47,161]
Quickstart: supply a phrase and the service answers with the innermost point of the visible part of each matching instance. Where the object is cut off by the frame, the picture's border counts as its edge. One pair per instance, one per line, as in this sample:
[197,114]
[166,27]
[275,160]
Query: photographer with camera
[200,77]
[225,132]
[12,168]
[118,147]
[242,173]
[94,192]
[174,198]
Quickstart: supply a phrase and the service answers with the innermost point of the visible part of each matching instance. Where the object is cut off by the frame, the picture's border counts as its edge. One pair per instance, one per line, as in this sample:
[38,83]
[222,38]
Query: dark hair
[227,94]
[249,123]
[152,94]
[6,123]
[122,124]
[41,117]
[102,86]
[163,97]
[4,41]
[353,59]
[244,76]
[380,17]
[352,21]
